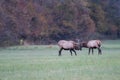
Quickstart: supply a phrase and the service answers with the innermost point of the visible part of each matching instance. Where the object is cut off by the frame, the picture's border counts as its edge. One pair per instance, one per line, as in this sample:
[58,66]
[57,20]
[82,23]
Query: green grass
[43,63]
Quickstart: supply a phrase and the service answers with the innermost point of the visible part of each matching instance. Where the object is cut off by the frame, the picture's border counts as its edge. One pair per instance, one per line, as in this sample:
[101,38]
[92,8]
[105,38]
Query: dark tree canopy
[47,21]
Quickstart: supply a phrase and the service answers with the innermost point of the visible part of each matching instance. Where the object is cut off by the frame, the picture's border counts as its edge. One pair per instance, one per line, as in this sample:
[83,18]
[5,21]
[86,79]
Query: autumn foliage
[47,21]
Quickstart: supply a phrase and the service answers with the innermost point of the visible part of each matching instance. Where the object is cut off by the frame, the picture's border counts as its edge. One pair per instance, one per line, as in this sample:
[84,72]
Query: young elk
[68,45]
[92,44]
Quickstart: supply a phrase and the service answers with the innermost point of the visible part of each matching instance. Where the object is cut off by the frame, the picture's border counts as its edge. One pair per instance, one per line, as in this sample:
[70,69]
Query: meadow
[41,62]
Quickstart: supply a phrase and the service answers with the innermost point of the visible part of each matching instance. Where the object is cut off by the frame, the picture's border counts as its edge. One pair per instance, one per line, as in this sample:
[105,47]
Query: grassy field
[43,63]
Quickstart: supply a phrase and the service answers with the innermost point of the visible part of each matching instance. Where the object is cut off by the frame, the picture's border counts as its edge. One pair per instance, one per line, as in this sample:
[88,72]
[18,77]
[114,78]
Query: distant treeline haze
[47,21]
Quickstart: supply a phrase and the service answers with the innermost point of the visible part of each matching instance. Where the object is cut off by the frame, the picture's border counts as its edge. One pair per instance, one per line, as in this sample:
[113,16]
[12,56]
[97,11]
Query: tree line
[47,21]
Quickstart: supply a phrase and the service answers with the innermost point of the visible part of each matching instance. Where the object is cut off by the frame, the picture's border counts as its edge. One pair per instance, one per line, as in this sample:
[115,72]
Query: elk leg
[60,51]
[71,51]
[99,51]
[74,51]
[92,51]
[89,51]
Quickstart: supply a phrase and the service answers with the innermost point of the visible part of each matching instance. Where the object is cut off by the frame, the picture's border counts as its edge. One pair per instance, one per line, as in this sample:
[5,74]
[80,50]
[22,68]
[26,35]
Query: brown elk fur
[92,44]
[68,45]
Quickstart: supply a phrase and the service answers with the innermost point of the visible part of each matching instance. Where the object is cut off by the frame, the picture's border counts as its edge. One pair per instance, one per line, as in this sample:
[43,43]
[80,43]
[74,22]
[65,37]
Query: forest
[48,21]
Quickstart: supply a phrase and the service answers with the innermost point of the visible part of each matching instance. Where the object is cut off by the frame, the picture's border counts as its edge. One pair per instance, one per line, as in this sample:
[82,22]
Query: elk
[92,44]
[68,45]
